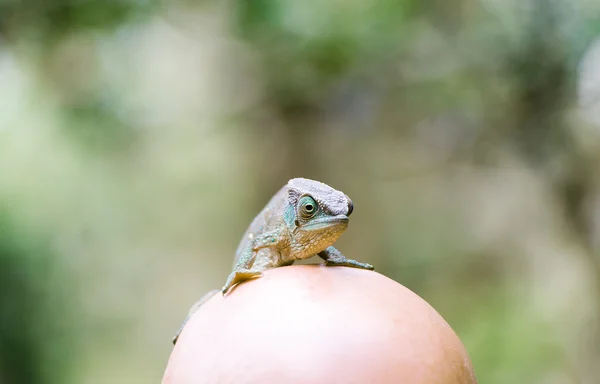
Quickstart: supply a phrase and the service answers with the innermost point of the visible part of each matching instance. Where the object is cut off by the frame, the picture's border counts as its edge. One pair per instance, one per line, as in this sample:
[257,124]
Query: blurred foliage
[47,21]
[35,341]
[139,138]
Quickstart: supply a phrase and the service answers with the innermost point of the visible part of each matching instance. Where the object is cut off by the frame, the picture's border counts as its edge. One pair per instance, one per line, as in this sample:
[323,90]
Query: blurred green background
[138,138]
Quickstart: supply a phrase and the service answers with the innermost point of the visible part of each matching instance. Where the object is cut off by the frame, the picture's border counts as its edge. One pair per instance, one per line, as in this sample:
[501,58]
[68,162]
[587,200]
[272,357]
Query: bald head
[316,324]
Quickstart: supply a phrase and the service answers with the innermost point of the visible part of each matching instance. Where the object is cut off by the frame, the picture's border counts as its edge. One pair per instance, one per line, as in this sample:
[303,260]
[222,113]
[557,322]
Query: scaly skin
[303,219]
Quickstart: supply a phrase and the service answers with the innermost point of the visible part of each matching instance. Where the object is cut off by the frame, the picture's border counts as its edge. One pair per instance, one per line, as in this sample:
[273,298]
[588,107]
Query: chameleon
[304,218]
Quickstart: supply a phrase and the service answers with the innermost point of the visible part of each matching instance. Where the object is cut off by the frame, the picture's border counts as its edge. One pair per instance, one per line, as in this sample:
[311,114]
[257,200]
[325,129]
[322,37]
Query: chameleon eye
[308,207]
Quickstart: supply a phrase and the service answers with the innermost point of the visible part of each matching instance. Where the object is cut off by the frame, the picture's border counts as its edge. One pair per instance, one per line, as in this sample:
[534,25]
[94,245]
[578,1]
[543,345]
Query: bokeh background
[138,138]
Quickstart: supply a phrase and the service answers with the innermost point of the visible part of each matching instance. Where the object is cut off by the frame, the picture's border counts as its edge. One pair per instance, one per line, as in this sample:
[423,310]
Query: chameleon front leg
[193,310]
[334,257]
[242,270]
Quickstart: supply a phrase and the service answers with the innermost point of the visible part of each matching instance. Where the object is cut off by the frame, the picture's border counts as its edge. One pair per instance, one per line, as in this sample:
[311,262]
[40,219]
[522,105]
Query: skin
[303,219]
[314,324]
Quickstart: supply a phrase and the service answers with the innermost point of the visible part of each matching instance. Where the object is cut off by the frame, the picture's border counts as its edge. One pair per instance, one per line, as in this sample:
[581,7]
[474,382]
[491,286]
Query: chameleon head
[317,215]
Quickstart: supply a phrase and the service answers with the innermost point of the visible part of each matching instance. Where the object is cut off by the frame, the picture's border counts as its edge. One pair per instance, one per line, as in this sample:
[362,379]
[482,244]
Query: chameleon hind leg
[334,257]
[193,310]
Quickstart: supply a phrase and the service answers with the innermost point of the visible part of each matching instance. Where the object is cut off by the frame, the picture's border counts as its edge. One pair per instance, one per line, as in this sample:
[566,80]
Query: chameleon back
[267,219]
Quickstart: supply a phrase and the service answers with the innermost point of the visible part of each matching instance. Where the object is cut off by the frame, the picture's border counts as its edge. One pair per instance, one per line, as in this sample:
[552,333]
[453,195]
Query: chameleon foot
[350,263]
[237,277]
[334,257]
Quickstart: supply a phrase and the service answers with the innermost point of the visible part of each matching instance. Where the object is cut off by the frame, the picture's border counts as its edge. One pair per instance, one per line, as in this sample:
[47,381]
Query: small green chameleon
[303,219]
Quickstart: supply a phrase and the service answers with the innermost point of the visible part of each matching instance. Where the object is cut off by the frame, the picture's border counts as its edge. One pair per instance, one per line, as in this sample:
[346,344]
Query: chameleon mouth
[328,221]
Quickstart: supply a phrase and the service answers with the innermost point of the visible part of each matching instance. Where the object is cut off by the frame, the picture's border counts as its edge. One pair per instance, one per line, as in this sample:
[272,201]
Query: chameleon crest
[303,219]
